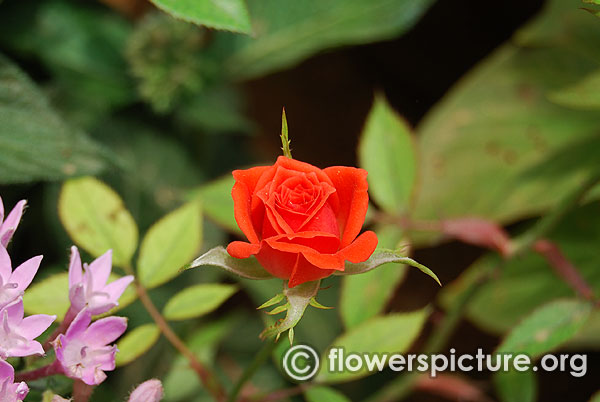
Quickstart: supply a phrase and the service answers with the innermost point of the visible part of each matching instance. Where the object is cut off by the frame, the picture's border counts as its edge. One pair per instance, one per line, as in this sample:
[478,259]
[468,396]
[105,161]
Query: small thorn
[291,336]
[277,336]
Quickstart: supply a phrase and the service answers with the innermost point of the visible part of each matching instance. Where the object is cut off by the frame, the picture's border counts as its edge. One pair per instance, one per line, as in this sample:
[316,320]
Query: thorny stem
[208,379]
[45,371]
[400,388]
[249,371]
[82,392]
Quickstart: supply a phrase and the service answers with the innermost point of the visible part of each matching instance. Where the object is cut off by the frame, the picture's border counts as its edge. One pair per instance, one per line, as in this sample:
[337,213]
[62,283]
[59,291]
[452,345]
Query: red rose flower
[302,222]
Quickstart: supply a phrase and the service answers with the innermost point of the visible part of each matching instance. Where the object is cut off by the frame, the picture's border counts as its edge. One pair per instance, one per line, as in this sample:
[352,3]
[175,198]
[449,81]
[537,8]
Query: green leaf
[217,202]
[364,296]
[387,151]
[383,257]
[248,268]
[391,333]
[516,386]
[322,393]
[197,300]
[36,143]
[526,283]
[169,244]
[51,296]
[585,94]
[96,219]
[547,328]
[595,397]
[592,1]
[498,123]
[230,15]
[135,343]
[60,34]
[286,32]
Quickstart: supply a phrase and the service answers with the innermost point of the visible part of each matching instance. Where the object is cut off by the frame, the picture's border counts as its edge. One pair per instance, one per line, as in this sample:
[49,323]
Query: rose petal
[351,187]
[241,249]
[244,187]
[304,271]
[360,249]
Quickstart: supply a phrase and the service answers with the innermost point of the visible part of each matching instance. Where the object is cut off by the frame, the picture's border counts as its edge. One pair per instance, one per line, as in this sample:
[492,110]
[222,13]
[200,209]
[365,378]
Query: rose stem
[209,380]
[249,371]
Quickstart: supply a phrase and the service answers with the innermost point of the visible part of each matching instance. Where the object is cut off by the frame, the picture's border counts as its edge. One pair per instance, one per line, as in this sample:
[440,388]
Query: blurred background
[497,116]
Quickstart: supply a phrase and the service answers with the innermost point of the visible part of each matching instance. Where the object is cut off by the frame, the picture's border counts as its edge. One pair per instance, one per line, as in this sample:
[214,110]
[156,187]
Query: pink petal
[105,331]
[106,359]
[24,273]
[5,265]
[77,297]
[115,289]
[34,325]
[11,223]
[100,269]
[75,270]
[6,370]
[92,376]
[79,324]
[14,312]
[28,349]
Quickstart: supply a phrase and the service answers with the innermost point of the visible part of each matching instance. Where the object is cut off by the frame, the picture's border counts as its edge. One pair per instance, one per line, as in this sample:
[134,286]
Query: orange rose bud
[302,222]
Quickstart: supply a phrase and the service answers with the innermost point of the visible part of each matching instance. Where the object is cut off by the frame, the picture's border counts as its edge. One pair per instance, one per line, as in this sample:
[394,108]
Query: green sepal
[248,268]
[383,257]
[316,304]
[279,309]
[298,298]
[272,301]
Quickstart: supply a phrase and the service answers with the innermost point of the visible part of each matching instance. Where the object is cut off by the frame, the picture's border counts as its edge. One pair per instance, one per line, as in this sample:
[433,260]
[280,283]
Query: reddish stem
[53,368]
[563,267]
[81,391]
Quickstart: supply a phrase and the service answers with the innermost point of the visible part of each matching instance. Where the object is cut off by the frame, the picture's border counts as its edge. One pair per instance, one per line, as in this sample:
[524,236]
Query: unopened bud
[148,391]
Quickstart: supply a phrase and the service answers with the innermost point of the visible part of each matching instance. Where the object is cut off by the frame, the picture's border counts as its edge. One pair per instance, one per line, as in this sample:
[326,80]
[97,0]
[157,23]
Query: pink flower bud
[148,391]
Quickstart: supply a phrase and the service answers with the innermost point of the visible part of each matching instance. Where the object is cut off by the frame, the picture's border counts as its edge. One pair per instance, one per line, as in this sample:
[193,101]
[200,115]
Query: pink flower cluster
[86,350]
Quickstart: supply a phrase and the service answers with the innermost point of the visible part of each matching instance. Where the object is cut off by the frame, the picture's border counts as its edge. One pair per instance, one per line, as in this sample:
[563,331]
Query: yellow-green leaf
[393,333]
[135,343]
[197,300]
[387,152]
[96,219]
[170,243]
